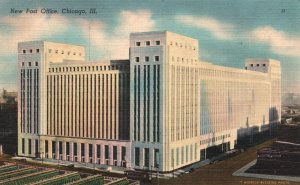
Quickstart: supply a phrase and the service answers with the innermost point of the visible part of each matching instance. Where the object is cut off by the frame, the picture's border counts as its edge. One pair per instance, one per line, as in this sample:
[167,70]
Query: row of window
[30,64]
[63,52]
[50,51]
[214,139]
[147,43]
[147,59]
[146,157]
[178,59]
[30,108]
[31,51]
[86,150]
[88,68]
[157,43]
[188,153]
[257,65]
[186,46]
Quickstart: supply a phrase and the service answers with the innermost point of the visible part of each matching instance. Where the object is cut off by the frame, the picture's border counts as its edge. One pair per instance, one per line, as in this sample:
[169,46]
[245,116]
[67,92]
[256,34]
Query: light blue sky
[228,31]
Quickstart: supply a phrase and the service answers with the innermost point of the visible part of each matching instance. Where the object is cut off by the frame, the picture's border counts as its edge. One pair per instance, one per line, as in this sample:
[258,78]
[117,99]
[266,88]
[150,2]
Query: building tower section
[33,60]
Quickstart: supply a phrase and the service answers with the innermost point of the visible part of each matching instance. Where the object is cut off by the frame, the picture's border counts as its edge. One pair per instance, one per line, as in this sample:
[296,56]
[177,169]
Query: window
[146,157]
[74,53]
[172,158]
[22,63]
[257,65]
[186,154]
[138,43]
[46,148]
[177,156]
[106,148]
[24,51]
[137,59]
[137,156]
[75,149]
[182,155]
[29,146]
[264,65]
[115,152]
[90,150]
[53,147]
[36,64]
[68,149]
[37,50]
[60,149]
[98,151]
[157,42]
[123,153]
[157,58]
[23,145]
[50,51]
[251,65]
[56,51]
[29,63]
[147,43]
[30,50]
[62,52]
[82,150]
[156,158]
[146,59]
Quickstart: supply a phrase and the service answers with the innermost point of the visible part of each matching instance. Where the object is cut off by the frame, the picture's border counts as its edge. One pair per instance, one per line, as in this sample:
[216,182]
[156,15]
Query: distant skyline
[228,31]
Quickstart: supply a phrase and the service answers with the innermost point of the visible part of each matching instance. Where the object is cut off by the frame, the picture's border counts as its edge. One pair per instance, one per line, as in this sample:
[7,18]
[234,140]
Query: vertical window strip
[144,103]
[154,103]
[158,100]
[148,104]
[134,103]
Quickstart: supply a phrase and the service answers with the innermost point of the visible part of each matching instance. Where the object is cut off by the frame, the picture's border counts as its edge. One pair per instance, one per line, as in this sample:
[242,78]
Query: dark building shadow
[251,135]
[9,127]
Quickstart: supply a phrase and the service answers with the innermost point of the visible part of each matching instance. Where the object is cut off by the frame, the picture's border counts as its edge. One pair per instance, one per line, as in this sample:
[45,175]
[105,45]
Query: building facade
[161,109]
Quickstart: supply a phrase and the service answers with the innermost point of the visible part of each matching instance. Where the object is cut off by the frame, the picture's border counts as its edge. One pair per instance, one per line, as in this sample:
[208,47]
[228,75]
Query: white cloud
[219,29]
[279,41]
[28,27]
[115,44]
[21,28]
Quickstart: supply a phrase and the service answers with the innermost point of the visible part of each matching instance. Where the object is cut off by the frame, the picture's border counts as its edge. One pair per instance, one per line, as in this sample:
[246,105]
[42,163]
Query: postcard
[150,92]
